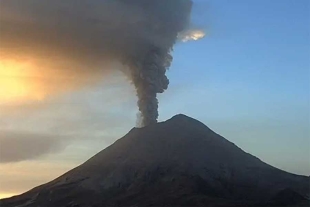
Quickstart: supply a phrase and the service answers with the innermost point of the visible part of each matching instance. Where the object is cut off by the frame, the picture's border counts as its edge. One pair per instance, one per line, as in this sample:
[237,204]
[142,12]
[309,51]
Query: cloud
[84,31]
[191,35]
[103,92]
[19,146]
[50,47]
[16,178]
[30,131]
[69,44]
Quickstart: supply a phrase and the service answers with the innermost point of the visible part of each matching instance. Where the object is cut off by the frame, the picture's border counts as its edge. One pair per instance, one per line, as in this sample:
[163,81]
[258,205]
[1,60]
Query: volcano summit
[180,162]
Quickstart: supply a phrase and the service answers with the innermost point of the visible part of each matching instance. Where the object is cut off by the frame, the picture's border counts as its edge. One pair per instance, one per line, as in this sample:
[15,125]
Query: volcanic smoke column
[90,36]
[149,79]
[148,68]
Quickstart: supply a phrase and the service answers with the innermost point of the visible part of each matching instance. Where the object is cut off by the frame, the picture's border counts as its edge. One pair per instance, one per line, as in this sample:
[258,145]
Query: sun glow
[18,82]
[6,195]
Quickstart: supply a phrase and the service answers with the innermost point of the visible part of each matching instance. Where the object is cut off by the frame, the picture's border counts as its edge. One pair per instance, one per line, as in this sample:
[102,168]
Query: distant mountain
[180,162]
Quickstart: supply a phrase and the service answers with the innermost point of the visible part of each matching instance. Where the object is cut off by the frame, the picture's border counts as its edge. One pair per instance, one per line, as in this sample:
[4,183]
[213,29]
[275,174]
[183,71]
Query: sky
[247,80]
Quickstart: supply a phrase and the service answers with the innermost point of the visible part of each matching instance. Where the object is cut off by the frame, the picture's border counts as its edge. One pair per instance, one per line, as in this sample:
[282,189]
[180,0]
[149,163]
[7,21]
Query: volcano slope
[180,162]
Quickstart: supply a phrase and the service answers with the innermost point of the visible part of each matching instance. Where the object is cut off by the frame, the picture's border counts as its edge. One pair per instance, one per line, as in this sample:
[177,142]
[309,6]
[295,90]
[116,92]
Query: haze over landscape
[248,80]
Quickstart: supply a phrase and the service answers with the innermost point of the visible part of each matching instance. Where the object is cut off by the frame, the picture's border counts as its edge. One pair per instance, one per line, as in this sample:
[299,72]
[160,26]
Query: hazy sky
[248,80]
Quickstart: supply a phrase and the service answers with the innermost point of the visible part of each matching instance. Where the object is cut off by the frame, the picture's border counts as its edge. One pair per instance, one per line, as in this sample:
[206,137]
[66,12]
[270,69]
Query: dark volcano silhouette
[180,162]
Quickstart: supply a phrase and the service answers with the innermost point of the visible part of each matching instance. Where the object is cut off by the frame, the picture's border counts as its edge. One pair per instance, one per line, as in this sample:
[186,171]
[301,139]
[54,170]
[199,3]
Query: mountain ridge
[180,161]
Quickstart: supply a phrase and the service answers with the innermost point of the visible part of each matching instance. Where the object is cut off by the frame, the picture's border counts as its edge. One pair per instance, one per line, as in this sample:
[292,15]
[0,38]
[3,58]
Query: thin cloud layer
[20,146]
[29,132]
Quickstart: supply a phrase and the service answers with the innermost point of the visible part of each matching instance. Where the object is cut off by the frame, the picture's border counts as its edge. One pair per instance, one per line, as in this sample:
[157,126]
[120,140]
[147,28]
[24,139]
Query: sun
[18,82]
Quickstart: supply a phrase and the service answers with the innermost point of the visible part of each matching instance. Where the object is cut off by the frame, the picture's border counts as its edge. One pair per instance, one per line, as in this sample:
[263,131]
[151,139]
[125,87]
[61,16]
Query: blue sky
[248,80]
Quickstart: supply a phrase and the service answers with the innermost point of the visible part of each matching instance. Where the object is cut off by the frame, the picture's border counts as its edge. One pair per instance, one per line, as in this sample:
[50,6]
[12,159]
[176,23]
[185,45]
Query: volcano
[179,162]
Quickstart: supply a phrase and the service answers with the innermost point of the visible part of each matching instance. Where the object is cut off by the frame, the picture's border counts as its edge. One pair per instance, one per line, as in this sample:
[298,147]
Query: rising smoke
[148,64]
[138,33]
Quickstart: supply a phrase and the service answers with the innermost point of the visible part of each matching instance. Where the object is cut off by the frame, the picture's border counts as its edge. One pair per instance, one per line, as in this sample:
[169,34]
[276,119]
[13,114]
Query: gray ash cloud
[138,33]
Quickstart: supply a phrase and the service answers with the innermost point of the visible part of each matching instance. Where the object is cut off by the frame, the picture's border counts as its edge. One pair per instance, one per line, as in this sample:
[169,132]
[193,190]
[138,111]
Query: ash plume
[92,34]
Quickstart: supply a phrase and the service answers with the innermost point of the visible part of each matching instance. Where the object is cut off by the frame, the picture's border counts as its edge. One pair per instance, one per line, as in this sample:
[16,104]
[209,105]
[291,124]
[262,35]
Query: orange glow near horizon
[17,82]
[37,79]
[6,195]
